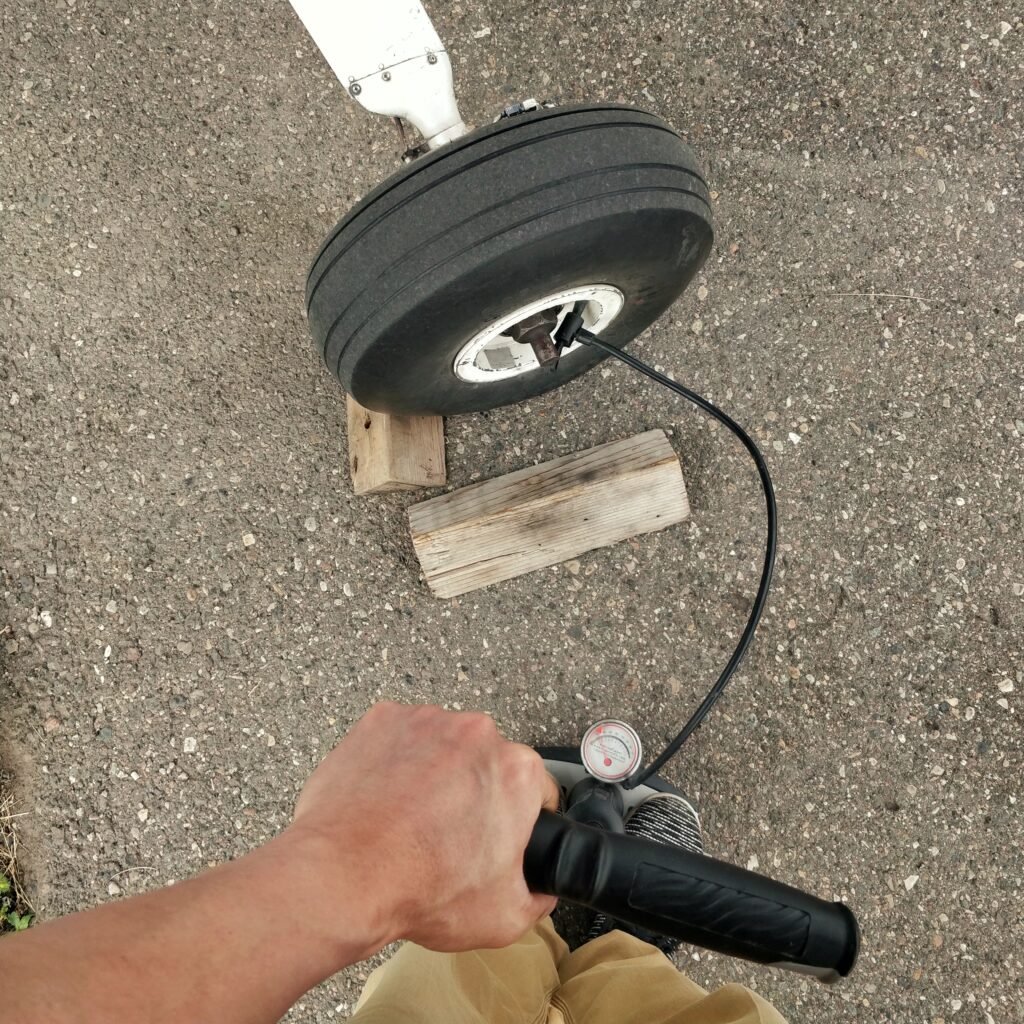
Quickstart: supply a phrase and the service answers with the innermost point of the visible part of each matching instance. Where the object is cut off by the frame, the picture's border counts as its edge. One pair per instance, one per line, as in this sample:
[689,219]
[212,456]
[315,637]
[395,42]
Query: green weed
[15,910]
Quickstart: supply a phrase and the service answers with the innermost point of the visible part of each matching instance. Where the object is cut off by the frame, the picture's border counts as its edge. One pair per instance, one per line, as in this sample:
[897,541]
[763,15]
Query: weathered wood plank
[394,453]
[546,514]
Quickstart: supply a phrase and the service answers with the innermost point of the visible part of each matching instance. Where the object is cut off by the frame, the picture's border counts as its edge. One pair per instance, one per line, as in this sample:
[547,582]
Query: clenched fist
[431,811]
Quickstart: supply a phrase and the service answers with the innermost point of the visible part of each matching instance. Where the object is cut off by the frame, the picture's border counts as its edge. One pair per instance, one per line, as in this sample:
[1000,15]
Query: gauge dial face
[611,750]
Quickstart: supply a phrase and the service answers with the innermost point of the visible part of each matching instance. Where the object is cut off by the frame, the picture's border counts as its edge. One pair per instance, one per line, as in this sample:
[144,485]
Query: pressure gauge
[611,750]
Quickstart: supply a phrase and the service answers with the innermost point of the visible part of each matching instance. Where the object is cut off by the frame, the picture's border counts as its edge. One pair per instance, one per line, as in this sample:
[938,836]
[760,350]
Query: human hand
[429,812]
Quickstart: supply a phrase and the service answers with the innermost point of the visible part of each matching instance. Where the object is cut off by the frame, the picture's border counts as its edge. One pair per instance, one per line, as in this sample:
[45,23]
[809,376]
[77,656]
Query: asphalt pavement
[166,174]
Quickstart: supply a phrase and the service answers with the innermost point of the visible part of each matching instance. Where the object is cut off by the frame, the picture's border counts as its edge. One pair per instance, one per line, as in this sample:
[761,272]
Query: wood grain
[394,453]
[546,514]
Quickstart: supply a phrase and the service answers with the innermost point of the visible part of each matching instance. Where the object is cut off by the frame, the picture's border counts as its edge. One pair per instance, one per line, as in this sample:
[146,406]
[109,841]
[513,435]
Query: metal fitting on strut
[524,107]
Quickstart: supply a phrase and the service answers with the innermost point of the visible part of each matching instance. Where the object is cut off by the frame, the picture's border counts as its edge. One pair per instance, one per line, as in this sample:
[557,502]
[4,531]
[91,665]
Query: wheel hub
[536,331]
[521,341]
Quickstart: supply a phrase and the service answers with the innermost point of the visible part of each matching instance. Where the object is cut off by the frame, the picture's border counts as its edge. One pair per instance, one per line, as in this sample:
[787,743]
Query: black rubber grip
[687,896]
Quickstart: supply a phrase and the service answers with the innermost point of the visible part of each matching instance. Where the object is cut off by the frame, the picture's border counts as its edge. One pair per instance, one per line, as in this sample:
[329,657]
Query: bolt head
[431,58]
[355,88]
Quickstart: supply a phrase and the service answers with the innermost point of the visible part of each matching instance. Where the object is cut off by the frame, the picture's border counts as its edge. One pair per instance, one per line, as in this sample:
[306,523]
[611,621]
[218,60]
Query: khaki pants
[616,979]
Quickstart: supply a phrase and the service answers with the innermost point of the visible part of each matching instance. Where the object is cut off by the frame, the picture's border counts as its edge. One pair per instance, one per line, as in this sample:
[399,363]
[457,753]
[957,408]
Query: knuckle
[478,724]
[524,761]
[525,758]
[376,713]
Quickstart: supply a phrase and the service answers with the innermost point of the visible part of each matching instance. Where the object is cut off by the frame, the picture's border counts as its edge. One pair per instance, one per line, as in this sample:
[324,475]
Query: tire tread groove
[355,215]
[482,241]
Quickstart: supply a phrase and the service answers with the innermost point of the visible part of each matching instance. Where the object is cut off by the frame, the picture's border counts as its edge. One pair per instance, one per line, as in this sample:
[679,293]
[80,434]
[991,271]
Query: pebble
[883,576]
[111,607]
[310,524]
[51,568]
[113,888]
[573,566]
[51,725]
[143,814]
[1005,686]
[910,881]
[347,590]
[248,540]
[46,618]
[189,745]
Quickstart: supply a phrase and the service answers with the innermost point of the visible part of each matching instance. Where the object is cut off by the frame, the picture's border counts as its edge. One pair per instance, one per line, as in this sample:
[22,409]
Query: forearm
[413,827]
[238,944]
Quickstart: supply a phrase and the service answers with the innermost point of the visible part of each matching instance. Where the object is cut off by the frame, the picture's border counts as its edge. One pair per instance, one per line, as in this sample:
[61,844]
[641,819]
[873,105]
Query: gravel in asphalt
[196,608]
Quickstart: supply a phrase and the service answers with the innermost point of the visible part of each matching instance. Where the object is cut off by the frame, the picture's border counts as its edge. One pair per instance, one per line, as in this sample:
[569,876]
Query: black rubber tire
[511,212]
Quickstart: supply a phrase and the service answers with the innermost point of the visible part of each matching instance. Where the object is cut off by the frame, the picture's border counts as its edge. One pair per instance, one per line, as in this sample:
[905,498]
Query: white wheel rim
[490,355]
